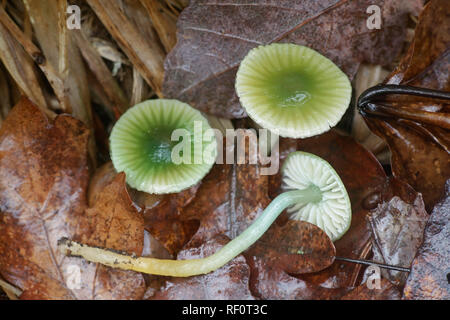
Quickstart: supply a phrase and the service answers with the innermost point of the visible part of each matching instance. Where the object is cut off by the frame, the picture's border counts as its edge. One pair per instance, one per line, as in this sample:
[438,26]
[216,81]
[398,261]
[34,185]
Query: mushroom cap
[292,90]
[143,145]
[333,212]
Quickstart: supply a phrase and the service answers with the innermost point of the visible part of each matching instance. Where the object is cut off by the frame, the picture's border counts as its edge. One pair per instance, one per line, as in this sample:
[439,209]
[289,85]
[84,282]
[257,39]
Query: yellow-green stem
[192,267]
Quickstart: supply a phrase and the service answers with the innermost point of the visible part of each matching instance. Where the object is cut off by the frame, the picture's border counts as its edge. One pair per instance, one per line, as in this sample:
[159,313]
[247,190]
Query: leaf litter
[52,194]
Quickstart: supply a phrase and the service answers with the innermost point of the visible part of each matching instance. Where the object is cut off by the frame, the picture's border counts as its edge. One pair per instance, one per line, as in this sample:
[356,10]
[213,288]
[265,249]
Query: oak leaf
[43,182]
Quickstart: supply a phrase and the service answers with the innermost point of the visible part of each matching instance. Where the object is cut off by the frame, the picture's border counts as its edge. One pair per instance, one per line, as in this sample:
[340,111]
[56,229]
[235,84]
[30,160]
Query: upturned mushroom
[314,192]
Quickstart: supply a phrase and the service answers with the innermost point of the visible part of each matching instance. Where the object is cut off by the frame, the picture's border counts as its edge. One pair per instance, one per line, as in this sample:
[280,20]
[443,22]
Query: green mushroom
[292,90]
[163,146]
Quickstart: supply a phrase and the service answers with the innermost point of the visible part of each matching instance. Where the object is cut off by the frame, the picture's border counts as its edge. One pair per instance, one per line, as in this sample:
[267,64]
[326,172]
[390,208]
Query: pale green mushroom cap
[143,146]
[292,90]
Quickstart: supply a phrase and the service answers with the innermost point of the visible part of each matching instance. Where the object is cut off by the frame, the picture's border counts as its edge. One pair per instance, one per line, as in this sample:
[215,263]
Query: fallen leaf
[296,247]
[387,291]
[163,214]
[415,128]
[113,222]
[397,232]
[229,282]
[430,271]
[271,283]
[43,198]
[37,194]
[214,36]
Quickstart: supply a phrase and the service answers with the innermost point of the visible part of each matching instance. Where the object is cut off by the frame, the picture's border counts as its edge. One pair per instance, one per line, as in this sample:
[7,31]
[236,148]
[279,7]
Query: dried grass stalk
[12,292]
[11,31]
[113,91]
[147,57]
[20,65]
[62,54]
[164,22]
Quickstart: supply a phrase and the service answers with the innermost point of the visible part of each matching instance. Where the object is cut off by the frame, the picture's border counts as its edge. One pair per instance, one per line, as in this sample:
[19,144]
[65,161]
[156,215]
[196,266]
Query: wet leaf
[429,277]
[103,176]
[229,282]
[272,283]
[162,214]
[416,129]
[397,232]
[386,292]
[43,198]
[113,222]
[296,247]
[213,38]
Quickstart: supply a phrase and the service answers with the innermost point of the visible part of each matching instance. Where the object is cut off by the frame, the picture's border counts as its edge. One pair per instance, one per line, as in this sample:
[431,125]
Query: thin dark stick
[370,263]
[372,93]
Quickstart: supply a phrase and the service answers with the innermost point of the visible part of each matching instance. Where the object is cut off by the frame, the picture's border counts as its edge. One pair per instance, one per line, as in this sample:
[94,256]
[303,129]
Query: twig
[370,263]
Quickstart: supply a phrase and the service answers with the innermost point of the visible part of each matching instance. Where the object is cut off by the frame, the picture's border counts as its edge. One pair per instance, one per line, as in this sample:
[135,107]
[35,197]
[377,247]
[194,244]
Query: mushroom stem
[187,268]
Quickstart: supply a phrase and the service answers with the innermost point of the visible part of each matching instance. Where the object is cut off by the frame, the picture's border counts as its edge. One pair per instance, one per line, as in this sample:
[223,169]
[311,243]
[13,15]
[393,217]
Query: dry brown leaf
[110,86]
[430,271]
[163,22]
[397,226]
[49,25]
